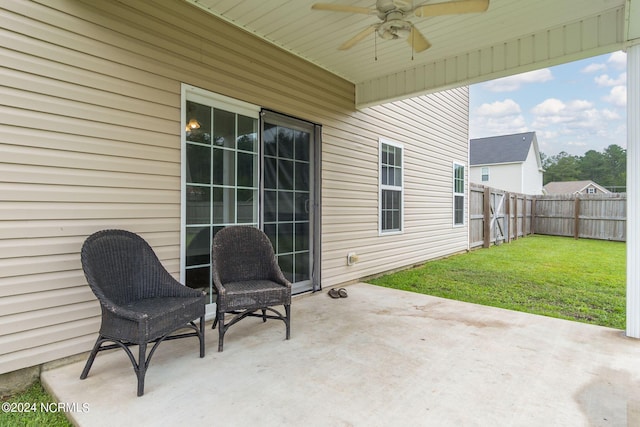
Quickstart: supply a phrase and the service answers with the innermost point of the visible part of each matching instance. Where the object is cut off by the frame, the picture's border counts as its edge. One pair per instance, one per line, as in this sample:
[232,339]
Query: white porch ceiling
[512,36]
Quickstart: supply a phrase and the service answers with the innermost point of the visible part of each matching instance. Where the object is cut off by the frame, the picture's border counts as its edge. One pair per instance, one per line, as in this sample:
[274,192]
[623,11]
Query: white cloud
[617,96]
[618,60]
[574,126]
[547,140]
[610,115]
[579,104]
[481,128]
[548,107]
[548,134]
[499,108]
[555,110]
[592,68]
[497,118]
[513,83]
[605,80]
[572,117]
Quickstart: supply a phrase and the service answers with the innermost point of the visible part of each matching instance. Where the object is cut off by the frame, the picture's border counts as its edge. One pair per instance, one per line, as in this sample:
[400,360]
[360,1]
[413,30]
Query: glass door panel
[287,194]
[221,182]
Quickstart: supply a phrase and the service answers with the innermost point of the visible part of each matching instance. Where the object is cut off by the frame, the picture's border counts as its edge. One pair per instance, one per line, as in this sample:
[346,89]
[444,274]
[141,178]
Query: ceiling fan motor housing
[386,6]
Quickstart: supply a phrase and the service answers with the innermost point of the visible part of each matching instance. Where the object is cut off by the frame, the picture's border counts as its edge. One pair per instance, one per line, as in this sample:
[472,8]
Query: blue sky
[575,107]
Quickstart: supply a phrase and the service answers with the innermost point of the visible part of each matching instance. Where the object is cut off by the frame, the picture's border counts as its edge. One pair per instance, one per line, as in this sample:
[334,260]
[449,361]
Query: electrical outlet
[352,258]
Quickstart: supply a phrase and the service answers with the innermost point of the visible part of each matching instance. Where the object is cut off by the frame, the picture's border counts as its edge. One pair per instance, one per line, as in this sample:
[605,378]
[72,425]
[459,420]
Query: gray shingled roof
[500,149]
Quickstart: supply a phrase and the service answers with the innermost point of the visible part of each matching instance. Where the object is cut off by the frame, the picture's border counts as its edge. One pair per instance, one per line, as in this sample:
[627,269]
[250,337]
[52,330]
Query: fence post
[576,218]
[507,214]
[487,217]
[533,212]
[524,215]
[515,216]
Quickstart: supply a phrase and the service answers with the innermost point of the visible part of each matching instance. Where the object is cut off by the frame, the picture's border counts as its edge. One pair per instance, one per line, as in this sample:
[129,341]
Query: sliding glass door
[244,166]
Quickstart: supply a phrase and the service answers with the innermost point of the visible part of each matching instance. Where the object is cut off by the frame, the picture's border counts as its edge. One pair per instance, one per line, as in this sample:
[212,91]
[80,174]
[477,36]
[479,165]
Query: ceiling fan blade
[417,41]
[341,8]
[452,8]
[358,37]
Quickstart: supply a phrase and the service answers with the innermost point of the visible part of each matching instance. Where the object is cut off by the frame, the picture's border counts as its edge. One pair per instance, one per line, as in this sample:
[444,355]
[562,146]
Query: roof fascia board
[497,164]
[536,151]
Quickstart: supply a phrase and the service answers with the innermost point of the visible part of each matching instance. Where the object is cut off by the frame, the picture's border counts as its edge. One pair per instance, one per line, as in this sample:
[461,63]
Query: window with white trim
[485,174]
[391,187]
[458,194]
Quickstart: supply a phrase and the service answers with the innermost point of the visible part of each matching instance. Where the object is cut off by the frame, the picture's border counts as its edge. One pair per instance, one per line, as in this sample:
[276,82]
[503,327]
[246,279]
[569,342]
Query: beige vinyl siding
[433,131]
[90,139]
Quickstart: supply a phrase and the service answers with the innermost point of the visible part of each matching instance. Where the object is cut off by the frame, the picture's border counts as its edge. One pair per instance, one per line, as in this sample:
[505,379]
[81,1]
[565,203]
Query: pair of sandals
[338,293]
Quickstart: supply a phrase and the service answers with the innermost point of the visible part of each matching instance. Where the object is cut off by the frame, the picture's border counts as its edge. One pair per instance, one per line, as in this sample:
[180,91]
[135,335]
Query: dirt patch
[427,311]
[612,398]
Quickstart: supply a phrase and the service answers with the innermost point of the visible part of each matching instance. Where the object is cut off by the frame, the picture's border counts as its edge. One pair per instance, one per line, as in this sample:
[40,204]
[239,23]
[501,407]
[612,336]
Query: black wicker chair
[141,302]
[247,278]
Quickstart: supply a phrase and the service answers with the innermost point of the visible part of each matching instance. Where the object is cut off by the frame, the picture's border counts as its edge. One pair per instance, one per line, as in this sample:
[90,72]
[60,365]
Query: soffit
[511,36]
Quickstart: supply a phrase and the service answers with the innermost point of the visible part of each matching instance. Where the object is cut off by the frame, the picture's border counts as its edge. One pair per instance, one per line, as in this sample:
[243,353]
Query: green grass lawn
[582,280]
[33,408]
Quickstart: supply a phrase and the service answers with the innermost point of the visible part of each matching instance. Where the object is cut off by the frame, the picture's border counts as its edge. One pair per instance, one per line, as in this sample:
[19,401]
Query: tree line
[608,169]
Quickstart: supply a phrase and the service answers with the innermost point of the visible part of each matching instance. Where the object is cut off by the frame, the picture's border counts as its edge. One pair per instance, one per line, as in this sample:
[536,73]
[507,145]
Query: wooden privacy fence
[590,216]
[497,216]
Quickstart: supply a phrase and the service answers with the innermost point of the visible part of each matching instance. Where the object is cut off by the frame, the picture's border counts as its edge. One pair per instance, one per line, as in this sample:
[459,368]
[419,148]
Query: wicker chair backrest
[243,253]
[122,267]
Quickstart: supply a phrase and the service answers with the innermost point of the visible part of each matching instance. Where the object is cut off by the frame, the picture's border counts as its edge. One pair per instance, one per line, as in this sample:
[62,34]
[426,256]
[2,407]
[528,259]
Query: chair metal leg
[141,369]
[201,337]
[287,309]
[241,314]
[142,364]
[221,330]
[92,357]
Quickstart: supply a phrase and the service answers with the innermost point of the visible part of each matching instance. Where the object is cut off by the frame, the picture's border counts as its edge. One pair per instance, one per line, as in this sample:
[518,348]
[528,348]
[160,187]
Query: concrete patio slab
[380,357]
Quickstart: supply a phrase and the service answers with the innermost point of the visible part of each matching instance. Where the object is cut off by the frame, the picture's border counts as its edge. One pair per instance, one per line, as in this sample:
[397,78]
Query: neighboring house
[574,187]
[507,162]
[111,120]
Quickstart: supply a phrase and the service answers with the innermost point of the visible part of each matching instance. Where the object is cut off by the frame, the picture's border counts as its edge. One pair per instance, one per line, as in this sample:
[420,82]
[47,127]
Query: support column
[633,191]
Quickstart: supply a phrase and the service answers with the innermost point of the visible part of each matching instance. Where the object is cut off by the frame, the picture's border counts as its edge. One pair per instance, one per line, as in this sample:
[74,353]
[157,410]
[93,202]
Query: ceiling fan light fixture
[386,34]
[403,32]
[394,29]
[192,125]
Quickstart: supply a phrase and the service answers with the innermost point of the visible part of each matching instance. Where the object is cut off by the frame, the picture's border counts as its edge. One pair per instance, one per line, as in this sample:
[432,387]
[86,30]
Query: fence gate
[494,216]
[498,226]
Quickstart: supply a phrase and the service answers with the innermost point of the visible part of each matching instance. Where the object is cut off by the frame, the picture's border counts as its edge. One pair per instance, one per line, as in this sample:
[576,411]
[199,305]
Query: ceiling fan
[394,22]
